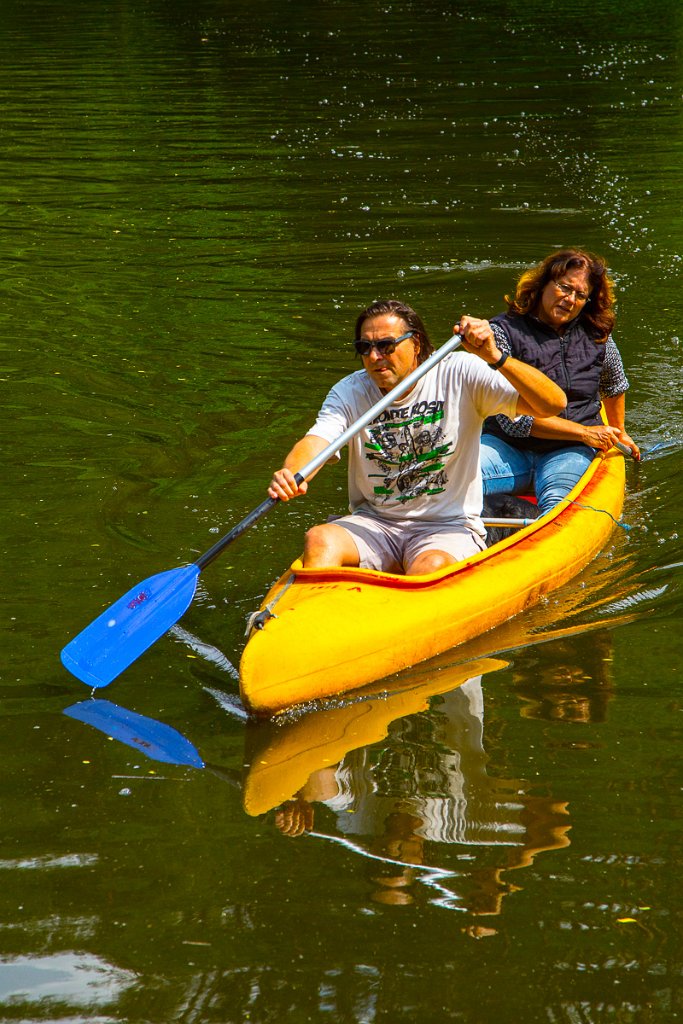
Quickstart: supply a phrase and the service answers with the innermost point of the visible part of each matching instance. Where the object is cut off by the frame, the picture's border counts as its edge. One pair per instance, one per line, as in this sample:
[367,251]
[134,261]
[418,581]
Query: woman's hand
[602,437]
[630,443]
[615,408]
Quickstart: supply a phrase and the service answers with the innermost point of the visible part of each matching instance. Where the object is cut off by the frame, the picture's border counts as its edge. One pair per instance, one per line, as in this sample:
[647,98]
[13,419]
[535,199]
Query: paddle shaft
[309,469]
[512,523]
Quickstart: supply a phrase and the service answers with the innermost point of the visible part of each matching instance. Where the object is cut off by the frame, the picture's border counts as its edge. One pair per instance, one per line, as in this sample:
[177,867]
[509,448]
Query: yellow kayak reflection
[283,755]
[403,775]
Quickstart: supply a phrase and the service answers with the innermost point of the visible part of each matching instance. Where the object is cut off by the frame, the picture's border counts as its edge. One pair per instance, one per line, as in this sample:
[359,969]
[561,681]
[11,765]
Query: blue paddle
[137,620]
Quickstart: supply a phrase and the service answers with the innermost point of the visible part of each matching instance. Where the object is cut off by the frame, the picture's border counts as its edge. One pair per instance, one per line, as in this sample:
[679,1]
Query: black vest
[573,360]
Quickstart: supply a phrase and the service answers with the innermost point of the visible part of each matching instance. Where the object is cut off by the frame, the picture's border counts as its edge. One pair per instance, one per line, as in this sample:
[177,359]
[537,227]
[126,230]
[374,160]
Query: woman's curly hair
[597,314]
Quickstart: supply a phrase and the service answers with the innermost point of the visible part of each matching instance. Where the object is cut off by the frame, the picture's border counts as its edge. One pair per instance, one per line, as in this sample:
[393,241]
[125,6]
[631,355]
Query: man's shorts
[391,545]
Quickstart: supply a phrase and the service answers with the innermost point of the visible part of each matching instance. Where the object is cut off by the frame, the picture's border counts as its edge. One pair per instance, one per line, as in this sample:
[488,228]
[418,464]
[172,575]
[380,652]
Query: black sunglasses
[385,346]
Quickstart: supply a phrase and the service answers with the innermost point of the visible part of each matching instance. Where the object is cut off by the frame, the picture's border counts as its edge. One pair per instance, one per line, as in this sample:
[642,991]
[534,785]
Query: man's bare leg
[329,546]
[430,561]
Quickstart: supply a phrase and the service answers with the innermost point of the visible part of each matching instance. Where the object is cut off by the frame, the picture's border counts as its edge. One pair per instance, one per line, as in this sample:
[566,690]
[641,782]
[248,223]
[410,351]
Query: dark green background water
[195,201]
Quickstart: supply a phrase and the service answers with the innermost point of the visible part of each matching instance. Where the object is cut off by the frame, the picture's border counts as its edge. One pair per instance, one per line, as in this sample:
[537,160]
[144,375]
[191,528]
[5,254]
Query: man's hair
[597,314]
[386,307]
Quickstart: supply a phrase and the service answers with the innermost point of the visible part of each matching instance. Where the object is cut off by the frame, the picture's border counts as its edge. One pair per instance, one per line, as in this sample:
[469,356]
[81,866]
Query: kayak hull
[331,631]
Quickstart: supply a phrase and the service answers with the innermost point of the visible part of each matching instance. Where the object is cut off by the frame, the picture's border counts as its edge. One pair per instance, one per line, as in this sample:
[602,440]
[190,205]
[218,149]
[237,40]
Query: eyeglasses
[567,290]
[384,346]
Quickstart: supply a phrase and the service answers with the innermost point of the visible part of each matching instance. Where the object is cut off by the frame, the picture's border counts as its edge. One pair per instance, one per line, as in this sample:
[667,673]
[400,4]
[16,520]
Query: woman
[560,321]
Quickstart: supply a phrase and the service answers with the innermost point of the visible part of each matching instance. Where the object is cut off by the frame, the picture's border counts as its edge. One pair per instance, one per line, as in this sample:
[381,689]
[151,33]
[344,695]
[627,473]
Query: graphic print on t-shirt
[410,454]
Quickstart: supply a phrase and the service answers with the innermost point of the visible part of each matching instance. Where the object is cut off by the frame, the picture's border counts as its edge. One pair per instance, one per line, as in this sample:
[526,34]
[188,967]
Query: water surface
[195,202]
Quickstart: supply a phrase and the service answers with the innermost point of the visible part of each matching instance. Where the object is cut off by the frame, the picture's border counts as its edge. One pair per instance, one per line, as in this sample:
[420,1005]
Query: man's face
[389,370]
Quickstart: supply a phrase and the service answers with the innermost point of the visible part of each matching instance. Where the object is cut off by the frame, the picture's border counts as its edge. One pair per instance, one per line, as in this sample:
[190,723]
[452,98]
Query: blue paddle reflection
[155,740]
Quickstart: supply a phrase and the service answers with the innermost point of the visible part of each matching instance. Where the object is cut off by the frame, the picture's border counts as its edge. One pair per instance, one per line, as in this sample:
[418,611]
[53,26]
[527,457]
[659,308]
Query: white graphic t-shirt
[420,458]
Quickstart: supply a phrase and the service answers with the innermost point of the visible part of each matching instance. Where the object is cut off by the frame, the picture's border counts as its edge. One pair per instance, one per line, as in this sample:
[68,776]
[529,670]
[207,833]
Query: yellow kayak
[327,632]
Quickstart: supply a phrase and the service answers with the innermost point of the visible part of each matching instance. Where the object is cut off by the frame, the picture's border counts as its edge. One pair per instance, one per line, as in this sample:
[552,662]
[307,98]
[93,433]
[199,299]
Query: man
[414,479]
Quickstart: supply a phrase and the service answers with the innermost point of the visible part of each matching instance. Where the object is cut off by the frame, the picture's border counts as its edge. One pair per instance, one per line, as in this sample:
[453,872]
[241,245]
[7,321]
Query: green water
[195,201]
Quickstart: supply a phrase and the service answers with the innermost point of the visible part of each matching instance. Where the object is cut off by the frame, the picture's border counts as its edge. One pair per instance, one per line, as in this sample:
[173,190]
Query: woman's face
[563,300]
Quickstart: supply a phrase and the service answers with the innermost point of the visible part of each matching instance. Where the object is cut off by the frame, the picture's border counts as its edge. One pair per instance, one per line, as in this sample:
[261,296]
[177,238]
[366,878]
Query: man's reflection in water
[427,785]
[565,680]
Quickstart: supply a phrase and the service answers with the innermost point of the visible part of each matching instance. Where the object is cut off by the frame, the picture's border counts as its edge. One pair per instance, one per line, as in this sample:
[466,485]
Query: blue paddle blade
[153,739]
[132,624]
